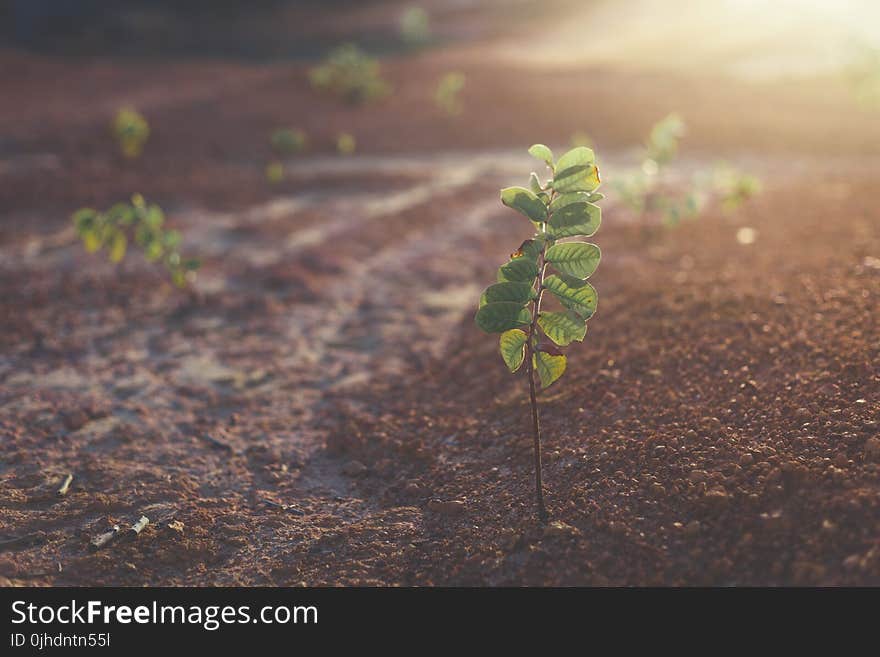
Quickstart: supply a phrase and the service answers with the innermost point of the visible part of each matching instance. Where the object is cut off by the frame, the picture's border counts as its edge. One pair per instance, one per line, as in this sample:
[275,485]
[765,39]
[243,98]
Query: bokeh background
[310,401]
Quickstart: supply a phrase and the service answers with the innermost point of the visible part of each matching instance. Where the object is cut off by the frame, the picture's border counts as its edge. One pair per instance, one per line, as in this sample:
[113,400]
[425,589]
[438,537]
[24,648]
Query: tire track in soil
[162,379]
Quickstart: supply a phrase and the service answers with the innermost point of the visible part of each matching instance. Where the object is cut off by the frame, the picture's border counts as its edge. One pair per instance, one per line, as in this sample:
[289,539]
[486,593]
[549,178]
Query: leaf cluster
[351,74]
[448,90]
[415,26]
[562,210]
[131,131]
[288,141]
[643,190]
[138,223]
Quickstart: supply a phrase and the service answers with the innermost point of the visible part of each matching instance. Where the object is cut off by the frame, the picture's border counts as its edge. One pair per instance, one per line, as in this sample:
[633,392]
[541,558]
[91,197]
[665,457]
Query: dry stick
[100,541]
[138,527]
[65,486]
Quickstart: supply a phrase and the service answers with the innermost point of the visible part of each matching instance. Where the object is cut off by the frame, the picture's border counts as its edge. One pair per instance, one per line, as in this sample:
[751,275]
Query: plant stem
[536,425]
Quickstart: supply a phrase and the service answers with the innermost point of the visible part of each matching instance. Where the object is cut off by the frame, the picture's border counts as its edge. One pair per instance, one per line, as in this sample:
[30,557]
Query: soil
[320,409]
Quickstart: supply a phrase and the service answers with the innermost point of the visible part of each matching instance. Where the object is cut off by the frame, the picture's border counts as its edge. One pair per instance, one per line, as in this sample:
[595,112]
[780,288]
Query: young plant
[415,28]
[275,172]
[345,143]
[287,141]
[448,90]
[123,223]
[131,131]
[351,74]
[644,190]
[562,210]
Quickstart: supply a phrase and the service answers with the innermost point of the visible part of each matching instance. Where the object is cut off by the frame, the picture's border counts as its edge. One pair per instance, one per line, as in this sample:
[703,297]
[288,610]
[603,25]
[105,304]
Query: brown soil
[323,411]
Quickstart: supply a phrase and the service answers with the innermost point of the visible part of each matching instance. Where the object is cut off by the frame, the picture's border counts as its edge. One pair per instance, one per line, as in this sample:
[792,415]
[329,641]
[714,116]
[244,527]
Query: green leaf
[524,201]
[576,171]
[573,293]
[512,347]
[535,183]
[563,327]
[522,269]
[575,219]
[502,316]
[549,367]
[541,152]
[578,259]
[91,241]
[84,220]
[509,291]
[118,245]
[569,198]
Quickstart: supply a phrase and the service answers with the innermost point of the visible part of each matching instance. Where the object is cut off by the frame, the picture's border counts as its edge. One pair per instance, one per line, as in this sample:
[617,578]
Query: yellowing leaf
[512,347]
[549,367]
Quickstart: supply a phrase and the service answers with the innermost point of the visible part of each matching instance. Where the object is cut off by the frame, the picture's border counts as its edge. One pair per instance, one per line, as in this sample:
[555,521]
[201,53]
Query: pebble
[872,449]
[746,459]
[412,489]
[559,528]
[446,507]
[354,469]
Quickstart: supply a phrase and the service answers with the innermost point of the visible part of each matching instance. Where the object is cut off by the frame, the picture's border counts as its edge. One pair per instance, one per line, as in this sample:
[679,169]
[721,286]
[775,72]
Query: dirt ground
[322,410]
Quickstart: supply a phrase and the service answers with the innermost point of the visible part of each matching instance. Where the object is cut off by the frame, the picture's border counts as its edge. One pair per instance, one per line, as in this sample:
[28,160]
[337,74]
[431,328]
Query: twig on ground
[65,485]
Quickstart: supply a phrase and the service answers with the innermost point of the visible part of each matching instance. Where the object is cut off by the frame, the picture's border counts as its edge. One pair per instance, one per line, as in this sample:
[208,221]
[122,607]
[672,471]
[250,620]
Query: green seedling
[415,28]
[131,131]
[287,141]
[734,187]
[562,211]
[643,189]
[275,172]
[345,143]
[351,74]
[140,223]
[447,94]
[864,76]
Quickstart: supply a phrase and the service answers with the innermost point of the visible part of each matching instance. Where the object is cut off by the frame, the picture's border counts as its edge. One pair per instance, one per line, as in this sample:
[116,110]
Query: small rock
[872,449]
[840,460]
[697,476]
[559,528]
[802,413]
[446,507]
[176,525]
[658,489]
[692,528]
[412,489]
[354,469]
[746,459]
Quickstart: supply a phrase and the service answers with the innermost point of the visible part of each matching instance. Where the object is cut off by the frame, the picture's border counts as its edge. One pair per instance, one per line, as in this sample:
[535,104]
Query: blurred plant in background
[644,190]
[351,74]
[448,93]
[114,229]
[864,75]
[415,27]
[131,131]
[274,172]
[581,138]
[287,141]
[345,143]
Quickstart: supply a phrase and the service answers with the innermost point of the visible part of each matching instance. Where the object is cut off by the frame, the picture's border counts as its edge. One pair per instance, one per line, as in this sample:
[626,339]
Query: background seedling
[562,210]
[448,93]
[131,131]
[141,224]
[643,190]
[275,172]
[345,143]
[351,74]
[581,138]
[415,27]
[287,141]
